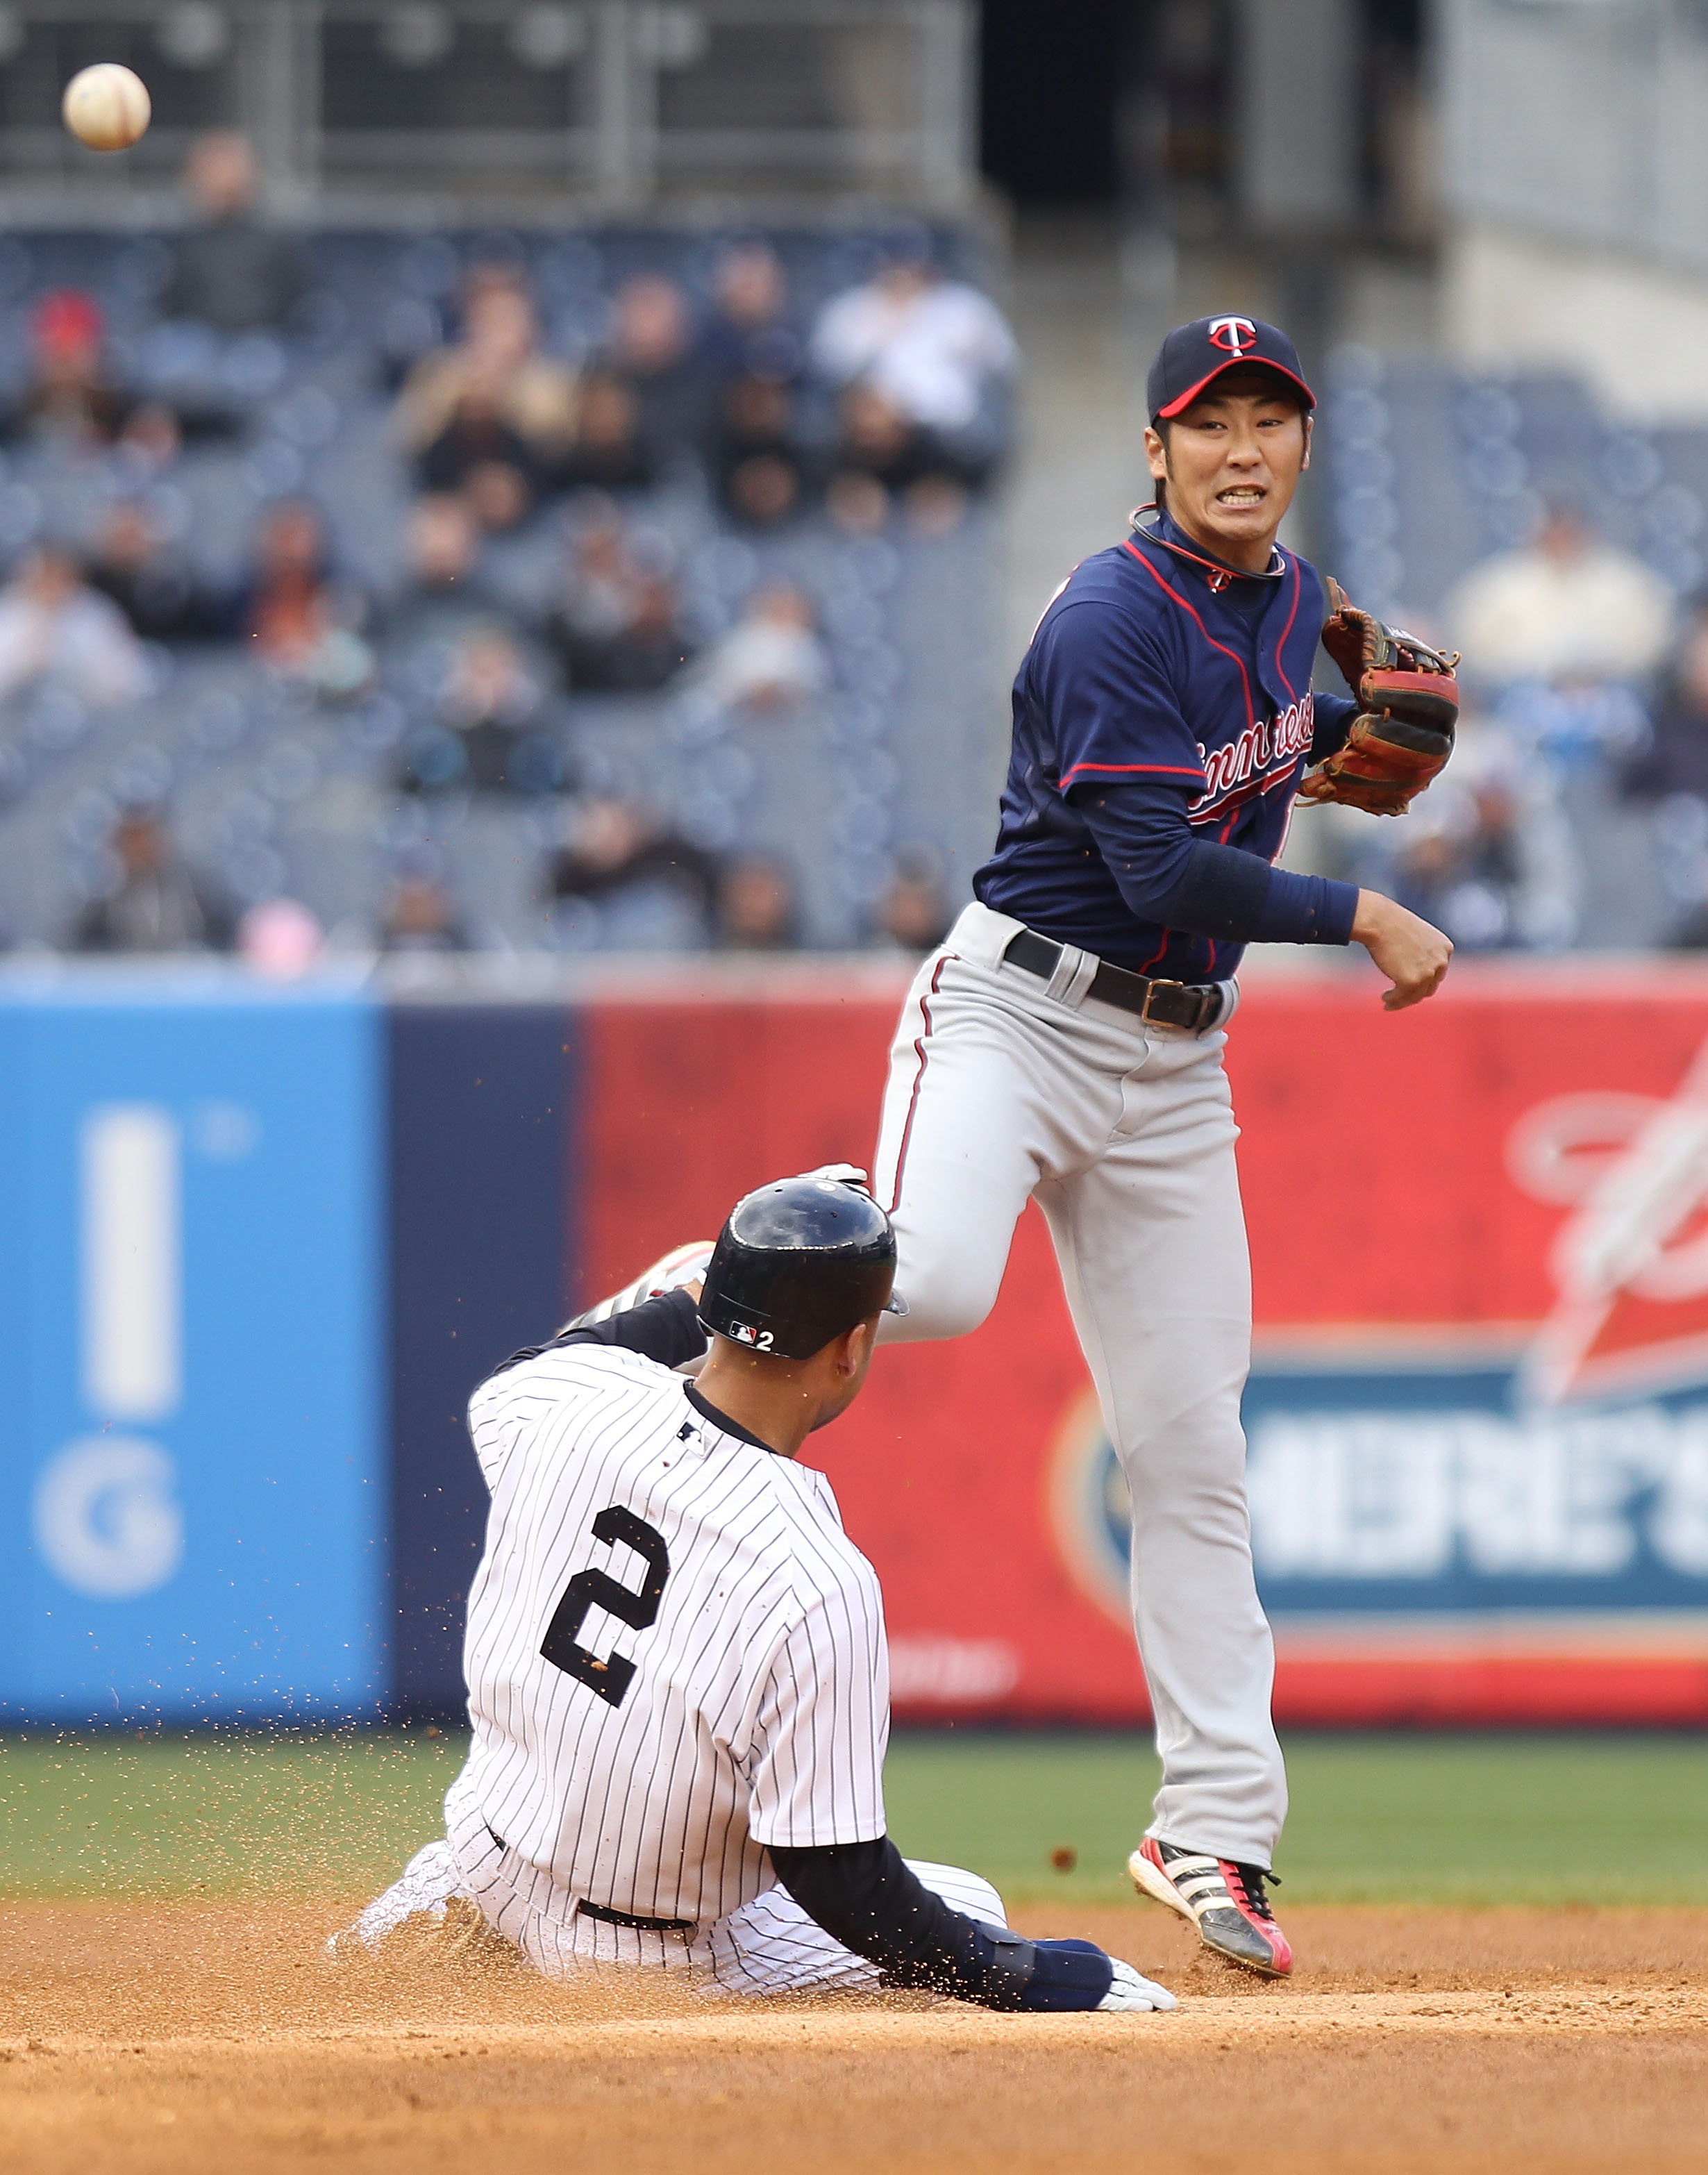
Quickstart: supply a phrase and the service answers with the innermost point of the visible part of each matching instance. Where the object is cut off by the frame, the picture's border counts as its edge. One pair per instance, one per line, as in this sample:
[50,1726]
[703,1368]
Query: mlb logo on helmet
[744,1332]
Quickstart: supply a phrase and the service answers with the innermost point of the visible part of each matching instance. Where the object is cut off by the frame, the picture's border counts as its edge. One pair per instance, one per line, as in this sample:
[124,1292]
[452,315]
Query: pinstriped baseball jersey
[675,1656]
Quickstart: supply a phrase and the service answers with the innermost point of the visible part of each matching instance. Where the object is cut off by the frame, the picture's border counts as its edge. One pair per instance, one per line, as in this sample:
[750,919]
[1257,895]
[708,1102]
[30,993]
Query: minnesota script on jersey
[675,1656]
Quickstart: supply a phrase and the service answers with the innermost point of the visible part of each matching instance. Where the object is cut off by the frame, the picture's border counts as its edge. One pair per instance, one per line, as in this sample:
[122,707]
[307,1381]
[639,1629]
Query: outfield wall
[256,1245]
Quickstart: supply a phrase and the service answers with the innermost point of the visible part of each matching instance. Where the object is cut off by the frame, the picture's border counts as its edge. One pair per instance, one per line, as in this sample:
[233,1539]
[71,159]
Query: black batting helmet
[799,1262]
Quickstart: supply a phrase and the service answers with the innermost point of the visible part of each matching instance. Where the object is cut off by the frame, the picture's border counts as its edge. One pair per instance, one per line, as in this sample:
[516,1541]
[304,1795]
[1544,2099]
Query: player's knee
[944,1298]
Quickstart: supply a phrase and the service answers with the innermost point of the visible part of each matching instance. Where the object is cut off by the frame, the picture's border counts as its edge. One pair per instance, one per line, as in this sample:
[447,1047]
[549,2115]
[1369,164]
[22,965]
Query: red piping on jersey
[1156,770]
[919,1051]
[1186,606]
[1281,646]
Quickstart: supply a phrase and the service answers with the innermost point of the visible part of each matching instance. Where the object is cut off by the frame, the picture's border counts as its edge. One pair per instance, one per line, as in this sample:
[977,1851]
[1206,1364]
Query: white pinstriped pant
[767,1945]
[1001,1088]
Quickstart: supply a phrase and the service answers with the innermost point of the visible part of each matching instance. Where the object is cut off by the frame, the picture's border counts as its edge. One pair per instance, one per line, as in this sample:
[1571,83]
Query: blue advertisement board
[193,1465]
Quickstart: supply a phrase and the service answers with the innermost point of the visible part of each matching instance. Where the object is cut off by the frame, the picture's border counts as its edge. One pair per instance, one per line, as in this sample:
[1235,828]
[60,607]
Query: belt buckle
[1150,991]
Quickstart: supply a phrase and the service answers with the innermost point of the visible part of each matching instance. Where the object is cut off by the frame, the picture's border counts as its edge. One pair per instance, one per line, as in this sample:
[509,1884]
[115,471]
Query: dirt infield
[178,2038]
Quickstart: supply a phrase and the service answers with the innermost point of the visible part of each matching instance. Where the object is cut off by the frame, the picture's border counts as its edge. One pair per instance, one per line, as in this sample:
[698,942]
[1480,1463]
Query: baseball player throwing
[1065,1043]
[677,1674]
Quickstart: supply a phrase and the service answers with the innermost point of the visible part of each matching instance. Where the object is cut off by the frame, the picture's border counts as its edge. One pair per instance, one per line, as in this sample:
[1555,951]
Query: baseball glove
[1408,700]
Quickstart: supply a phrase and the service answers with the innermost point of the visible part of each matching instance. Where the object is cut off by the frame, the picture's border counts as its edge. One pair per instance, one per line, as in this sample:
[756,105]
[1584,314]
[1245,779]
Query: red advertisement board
[1478,1411]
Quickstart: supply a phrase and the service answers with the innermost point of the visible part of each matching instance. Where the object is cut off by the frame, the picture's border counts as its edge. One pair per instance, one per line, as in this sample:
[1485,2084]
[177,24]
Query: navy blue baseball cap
[1194,354]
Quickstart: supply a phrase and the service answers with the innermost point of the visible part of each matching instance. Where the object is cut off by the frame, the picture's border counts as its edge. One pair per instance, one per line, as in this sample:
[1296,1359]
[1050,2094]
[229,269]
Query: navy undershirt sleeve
[866,1897]
[1332,718]
[1177,881]
[666,1329]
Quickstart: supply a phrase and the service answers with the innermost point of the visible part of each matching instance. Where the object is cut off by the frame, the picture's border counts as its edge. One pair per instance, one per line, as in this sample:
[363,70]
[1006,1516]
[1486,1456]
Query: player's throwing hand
[1412,953]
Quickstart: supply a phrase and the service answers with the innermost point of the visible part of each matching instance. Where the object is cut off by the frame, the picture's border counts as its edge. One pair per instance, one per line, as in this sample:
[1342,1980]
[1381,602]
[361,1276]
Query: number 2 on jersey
[609,1675]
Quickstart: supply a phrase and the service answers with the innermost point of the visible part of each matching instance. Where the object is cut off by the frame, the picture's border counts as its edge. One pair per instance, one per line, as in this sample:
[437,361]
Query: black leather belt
[1194,1005]
[586,1910]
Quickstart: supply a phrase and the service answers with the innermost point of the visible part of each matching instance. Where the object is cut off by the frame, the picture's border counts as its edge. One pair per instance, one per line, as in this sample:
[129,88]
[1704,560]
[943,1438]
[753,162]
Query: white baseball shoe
[1228,1901]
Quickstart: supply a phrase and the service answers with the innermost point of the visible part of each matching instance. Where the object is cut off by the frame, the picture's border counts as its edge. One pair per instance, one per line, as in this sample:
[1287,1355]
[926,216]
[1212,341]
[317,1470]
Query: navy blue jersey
[1141,673]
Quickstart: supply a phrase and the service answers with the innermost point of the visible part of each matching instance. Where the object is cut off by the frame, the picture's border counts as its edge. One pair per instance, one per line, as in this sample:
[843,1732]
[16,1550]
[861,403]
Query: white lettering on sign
[944,1672]
[133,1303]
[1388,1495]
[105,1519]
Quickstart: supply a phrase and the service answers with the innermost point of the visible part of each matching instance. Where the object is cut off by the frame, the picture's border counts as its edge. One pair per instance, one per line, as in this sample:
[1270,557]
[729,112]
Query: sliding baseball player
[676,1657]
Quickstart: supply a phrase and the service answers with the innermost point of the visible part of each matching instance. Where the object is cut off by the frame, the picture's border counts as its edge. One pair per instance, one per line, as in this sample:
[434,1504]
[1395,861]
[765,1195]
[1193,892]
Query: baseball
[107,107]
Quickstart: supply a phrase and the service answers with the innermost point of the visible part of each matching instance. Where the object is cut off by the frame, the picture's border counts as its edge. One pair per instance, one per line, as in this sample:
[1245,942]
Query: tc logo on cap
[1233,335]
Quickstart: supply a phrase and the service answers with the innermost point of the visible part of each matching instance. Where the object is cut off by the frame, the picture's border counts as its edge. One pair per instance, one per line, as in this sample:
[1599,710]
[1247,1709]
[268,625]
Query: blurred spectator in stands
[1670,778]
[489,734]
[153,584]
[492,399]
[419,915]
[608,451]
[757,908]
[653,349]
[771,659]
[281,938]
[913,913]
[1676,760]
[749,332]
[1461,865]
[935,350]
[617,849]
[228,270]
[296,618]
[880,457]
[479,451]
[71,396]
[618,628]
[758,469]
[1568,610]
[154,903]
[54,626]
[444,591]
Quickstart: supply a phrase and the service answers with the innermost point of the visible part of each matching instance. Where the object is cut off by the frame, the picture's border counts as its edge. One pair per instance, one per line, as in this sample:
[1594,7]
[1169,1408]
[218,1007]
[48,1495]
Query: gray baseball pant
[1003,1087]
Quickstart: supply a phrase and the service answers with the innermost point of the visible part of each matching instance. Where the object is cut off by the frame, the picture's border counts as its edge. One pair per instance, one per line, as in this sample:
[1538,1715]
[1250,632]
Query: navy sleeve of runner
[666,1329]
[863,1895]
[1176,881]
[1331,720]
[1104,686]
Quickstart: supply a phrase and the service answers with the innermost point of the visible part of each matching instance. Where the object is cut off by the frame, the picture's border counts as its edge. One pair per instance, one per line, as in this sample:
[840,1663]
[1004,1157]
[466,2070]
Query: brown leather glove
[1408,701]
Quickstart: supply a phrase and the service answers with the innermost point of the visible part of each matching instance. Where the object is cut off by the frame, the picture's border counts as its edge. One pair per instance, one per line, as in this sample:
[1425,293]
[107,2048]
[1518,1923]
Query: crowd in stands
[531,574]
[1574,812]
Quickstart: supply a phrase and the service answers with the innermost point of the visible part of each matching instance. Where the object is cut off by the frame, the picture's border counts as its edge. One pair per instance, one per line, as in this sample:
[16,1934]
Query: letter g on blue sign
[105,1518]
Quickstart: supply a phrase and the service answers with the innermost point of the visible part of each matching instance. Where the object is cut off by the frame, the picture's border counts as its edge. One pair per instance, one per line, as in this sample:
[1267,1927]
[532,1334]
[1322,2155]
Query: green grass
[1437,1820]
[1462,1819]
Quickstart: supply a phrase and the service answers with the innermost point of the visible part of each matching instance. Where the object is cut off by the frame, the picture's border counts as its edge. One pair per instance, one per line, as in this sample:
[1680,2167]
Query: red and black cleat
[1228,1902]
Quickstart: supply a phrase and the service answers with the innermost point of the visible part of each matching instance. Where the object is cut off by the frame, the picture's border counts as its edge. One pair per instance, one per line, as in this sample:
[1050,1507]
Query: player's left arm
[815,1769]
[866,1896]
